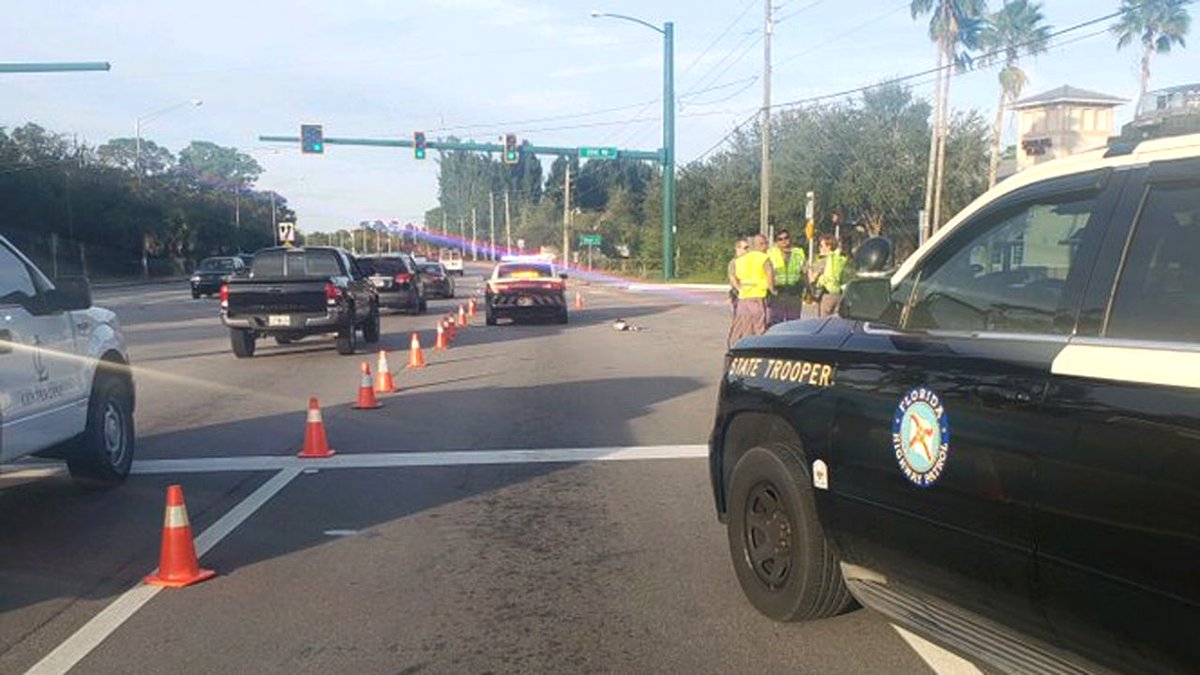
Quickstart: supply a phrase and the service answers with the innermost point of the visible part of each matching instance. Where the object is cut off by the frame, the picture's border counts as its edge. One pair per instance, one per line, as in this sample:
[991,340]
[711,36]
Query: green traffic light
[420,153]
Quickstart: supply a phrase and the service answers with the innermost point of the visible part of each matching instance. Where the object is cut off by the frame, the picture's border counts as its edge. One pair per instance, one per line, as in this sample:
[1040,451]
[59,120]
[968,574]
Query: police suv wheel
[785,567]
[103,454]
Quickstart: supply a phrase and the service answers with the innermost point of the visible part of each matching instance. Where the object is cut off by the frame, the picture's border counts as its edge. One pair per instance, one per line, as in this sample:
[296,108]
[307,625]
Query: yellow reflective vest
[837,269]
[791,273]
[752,275]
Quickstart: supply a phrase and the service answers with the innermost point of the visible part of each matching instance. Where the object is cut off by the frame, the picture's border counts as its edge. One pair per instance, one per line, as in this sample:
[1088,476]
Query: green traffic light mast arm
[54,67]
[468,146]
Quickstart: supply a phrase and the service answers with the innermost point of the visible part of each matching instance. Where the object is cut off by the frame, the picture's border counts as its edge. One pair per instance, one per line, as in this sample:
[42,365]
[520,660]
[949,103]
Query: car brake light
[224,296]
[332,293]
[403,278]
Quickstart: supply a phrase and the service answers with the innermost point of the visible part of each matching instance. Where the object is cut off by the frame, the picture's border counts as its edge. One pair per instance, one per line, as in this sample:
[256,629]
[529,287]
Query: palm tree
[1017,28]
[1157,24]
[952,24]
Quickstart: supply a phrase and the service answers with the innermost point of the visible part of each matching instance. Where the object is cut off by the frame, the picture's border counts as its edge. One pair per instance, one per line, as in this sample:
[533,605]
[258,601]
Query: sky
[546,71]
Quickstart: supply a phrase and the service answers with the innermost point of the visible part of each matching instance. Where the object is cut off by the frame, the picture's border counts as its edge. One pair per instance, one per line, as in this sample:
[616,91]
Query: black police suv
[999,446]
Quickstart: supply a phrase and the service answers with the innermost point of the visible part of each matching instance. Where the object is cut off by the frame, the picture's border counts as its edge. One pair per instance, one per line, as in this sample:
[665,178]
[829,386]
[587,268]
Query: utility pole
[492,226]
[274,218]
[474,237]
[764,197]
[507,225]
[462,237]
[566,252]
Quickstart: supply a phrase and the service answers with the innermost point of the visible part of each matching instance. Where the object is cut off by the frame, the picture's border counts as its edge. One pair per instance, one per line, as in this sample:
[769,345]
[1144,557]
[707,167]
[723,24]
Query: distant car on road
[436,280]
[521,289]
[452,260]
[212,272]
[65,386]
[292,293]
[398,280]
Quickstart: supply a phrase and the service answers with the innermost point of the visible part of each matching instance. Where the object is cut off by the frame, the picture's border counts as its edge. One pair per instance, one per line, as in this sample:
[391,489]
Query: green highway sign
[590,239]
[597,153]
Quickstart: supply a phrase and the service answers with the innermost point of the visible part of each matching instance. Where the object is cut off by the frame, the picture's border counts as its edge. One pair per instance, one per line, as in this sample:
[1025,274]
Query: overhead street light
[150,117]
[668,150]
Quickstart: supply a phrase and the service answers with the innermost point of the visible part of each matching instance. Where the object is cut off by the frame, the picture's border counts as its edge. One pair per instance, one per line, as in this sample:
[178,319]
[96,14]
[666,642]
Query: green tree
[952,24]
[203,163]
[122,153]
[1017,28]
[1156,25]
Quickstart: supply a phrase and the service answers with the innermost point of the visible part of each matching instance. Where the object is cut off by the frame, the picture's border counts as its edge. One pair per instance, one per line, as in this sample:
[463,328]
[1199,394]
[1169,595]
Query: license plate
[379,283]
[524,301]
[279,320]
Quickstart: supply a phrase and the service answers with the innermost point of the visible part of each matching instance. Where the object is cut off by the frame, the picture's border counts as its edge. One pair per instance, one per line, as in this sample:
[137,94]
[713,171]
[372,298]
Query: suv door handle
[1003,395]
[6,341]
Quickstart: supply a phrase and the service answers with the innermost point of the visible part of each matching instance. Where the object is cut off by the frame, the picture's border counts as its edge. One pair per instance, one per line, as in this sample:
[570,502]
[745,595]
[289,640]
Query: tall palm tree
[952,24]
[1156,24]
[1017,28]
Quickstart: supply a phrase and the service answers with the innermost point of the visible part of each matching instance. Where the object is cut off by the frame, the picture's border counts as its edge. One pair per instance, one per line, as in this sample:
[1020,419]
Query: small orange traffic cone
[452,327]
[366,391]
[471,308]
[462,316]
[578,300]
[443,341]
[316,446]
[177,563]
[416,358]
[383,375]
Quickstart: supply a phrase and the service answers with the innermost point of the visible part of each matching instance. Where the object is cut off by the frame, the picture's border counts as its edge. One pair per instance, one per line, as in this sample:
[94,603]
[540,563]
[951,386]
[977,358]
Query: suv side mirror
[69,293]
[866,299]
[562,275]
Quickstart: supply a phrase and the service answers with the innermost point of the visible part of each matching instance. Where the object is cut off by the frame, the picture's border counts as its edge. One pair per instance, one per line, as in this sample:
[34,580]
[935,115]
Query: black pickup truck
[999,446]
[292,293]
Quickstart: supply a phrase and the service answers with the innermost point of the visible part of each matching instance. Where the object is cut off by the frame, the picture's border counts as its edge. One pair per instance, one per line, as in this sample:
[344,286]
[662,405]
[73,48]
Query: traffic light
[419,144]
[511,154]
[312,139]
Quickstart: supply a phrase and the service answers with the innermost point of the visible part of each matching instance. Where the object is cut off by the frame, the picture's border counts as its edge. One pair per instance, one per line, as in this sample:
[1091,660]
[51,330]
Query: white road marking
[941,661]
[83,641]
[409,459]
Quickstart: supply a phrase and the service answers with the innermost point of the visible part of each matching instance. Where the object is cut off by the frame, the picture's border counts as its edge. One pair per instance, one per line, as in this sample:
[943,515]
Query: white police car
[65,386]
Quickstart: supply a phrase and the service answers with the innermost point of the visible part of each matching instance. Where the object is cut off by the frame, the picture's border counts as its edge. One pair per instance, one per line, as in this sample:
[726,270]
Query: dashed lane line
[83,641]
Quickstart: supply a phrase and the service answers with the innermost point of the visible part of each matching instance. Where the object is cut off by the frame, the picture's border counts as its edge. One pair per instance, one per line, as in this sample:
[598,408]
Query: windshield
[216,265]
[544,336]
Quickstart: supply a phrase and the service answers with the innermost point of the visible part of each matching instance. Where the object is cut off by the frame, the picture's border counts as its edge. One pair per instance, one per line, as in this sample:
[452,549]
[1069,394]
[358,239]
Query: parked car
[293,293]
[436,281]
[398,281]
[212,272]
[999,446]
[66,390]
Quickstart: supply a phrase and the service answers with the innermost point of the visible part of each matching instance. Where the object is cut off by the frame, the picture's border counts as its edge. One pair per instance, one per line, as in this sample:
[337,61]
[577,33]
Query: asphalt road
[580,537]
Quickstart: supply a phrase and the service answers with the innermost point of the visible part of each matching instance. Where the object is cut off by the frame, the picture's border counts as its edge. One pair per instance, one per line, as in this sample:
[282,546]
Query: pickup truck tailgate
[258,297]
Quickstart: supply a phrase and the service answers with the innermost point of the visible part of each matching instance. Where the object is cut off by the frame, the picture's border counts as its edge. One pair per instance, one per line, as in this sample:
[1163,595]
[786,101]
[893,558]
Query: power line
[842,35]
[800,10]
[555,118]
[705,77]
[712,44]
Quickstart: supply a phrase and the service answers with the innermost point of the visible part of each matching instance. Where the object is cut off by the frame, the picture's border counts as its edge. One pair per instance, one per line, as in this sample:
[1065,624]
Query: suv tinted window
[1158,294]
[15,282]
[308,263]
[386,266]
[1008,275]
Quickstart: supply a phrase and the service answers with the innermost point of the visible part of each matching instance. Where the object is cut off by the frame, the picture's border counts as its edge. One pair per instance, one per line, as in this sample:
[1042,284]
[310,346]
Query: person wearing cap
[829,275]
[754,279]
[789,264]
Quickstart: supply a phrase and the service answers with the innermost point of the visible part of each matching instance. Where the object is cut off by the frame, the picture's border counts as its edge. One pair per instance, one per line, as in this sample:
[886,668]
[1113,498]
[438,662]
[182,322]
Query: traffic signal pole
[668,159]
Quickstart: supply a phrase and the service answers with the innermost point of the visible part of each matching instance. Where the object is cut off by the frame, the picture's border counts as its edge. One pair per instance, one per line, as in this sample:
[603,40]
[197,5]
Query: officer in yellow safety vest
[754,278]
[829,275]
[789,263]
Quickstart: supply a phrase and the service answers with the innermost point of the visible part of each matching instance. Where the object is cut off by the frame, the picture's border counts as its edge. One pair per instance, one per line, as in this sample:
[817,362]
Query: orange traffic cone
[316,446]
[452,327]
[366,391]
[578,300]
[416,359]
[471,308]
[383,375]
[443,341]
[462,316]
[177,563]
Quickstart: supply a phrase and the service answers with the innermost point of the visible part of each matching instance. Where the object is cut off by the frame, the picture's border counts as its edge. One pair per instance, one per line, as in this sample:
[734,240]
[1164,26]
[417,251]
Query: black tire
[562,317]
[449,288]
[195,295]
[242,341]
[422,306]
[370,329]
[347,337]
[783,562]
[490,319]
[101,457]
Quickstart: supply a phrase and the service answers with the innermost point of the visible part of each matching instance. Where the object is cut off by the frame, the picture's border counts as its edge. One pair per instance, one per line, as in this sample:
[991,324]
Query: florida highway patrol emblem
[921,436]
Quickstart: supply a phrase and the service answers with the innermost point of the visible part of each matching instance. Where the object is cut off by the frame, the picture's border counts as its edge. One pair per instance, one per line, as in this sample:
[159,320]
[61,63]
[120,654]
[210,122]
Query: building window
[1089,120]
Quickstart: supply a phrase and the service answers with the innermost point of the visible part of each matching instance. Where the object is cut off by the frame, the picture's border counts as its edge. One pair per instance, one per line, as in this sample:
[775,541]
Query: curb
[126,283]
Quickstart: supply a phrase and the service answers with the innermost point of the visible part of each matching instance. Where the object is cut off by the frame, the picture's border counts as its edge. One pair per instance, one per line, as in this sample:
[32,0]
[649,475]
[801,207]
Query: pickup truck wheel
[422,306]
[103,454]
[347,338]
[370,329]
[490,319]
[783,562]
[242,341]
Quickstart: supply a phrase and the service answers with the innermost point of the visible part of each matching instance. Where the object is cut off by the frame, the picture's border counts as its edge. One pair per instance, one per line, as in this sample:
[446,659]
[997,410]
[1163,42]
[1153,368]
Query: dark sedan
[397,280]
[212,272]
[435,281]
